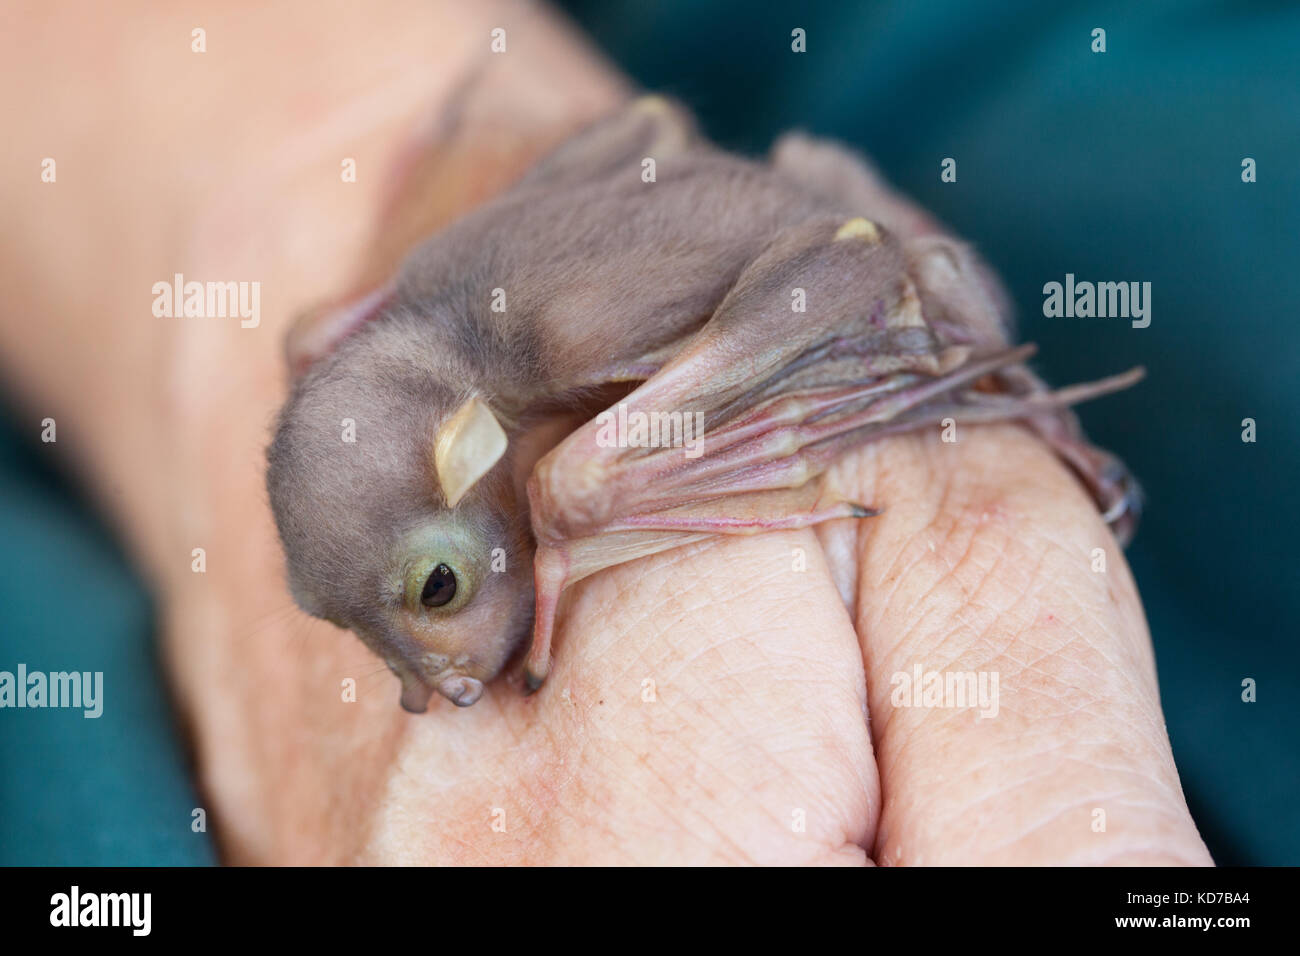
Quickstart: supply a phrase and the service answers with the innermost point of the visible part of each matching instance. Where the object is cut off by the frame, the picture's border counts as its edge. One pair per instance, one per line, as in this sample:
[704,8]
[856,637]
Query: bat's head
[399,513]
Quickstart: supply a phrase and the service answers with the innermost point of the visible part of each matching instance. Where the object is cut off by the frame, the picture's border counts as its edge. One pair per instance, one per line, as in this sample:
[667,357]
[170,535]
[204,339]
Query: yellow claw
[859,228]
[907,313]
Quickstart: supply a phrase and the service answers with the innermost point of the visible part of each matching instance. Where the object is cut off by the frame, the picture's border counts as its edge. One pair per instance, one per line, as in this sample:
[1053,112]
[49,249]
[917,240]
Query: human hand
[713,705]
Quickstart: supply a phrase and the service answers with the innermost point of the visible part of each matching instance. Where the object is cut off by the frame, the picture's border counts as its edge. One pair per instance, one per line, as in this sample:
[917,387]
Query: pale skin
[705,705]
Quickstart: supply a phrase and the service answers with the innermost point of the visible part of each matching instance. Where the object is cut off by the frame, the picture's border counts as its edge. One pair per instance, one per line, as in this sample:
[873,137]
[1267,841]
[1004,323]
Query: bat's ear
[314,334]
[650,126]
[468,444]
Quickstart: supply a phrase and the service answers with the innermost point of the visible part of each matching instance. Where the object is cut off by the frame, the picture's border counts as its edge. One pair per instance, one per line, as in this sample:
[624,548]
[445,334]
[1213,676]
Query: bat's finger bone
[725,524]
[798,406]
[762,511]
[772,430]
[777,451]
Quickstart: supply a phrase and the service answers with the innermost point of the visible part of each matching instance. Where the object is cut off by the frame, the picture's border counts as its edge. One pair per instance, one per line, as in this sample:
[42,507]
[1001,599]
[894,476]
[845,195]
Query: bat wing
[839,333]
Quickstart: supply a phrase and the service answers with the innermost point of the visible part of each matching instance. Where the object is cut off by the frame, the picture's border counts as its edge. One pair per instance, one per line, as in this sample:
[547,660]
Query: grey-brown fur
[606,278]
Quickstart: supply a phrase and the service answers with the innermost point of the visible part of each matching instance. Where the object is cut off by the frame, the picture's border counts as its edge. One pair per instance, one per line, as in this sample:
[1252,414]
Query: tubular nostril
[415,695]
[461,691]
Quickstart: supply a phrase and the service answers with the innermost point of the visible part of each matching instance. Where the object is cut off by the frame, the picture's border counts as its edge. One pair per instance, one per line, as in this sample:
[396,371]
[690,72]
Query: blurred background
[1119,166]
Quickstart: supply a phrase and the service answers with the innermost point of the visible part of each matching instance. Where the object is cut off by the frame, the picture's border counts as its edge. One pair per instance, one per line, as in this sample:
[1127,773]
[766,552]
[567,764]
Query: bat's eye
[439,588]
[436,569]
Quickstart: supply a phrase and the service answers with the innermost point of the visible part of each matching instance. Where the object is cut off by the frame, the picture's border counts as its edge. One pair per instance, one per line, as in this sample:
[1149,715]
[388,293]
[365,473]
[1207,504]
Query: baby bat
[441,473]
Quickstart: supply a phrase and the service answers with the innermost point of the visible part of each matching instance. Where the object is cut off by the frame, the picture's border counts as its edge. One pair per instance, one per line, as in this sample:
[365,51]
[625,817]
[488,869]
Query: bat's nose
[415,694]
[461,691]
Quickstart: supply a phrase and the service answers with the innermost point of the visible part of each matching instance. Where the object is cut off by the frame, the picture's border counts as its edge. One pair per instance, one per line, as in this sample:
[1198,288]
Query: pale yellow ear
[468,444]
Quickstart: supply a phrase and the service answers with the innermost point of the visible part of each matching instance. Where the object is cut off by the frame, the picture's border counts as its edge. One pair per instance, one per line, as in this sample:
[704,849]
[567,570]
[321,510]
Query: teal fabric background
[1116,166]
[111,790]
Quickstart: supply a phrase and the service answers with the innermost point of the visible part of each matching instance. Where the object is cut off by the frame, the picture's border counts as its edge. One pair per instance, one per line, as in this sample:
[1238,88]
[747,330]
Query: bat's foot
[1116,492]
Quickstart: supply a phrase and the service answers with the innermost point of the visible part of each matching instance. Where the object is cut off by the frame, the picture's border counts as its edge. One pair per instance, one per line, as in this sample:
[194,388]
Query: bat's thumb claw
[532,681]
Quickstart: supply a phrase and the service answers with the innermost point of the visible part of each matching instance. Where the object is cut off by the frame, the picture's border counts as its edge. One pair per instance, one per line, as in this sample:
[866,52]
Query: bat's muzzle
[457,688]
